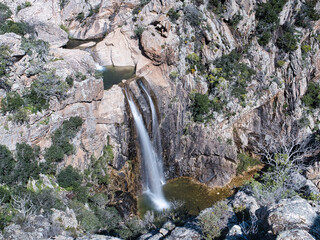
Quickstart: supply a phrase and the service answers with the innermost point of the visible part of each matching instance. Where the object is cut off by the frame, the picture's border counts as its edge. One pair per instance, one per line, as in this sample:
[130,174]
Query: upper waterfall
[153,181]
[156,138]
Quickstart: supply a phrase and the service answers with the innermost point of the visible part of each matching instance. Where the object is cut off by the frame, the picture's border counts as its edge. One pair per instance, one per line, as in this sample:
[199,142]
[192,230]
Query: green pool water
[195,196]
[114,75]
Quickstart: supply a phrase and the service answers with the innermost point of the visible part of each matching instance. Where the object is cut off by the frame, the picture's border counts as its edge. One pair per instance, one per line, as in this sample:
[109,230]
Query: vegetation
[138,9]
[213,220]
[23,5]
[173,15]
[69,178]
[246,162]
[200,106]
[287,41]
[61,140]
[193,16]
[229,68]
[235,20]
[312,97]
[306,48]
[307,14]
[138,31]
[217,6]
[267,14]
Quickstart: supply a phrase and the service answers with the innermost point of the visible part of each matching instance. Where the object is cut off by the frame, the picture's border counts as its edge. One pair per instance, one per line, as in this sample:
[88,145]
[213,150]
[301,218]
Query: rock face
[295,235]
[291,214]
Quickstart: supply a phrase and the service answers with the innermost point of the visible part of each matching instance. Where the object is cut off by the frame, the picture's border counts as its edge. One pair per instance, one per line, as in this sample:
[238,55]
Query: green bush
[307,14]
[193,16]
[69,178]
[245,163]
[280,63]
[200,106]
[235,20]
[12,102]
[213,220]
[138,31]
[217,6]
[173,15]
[267,14]
[60,139]
[312,97]
[4,59]
[20,28]
[7,164]
[306,48]
[287,41]
[5,13]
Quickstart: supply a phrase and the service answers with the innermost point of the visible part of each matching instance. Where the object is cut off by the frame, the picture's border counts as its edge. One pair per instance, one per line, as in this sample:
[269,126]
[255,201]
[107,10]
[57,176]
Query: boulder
[97,237]
[67,219]
[241,199]
[295,234]
[114,50]
[153,45]
[288,214]
[13,41]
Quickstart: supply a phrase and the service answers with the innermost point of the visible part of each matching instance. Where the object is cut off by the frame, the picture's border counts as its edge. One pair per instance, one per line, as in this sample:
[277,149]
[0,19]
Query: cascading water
[151,171]
[156,138]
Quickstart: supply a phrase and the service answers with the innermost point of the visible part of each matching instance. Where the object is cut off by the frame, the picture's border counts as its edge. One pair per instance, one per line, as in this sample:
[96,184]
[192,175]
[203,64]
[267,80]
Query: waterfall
[149,156]
[156,138]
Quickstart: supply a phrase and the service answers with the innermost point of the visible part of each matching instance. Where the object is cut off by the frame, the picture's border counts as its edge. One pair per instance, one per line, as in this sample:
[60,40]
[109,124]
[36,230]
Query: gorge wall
[160,44]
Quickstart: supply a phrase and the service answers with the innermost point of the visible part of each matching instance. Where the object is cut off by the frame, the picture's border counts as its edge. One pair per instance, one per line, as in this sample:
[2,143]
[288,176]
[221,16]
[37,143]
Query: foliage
[45,200]
[287,41]
[246,162]
[138,31]
[12,102]
[69,178]
[20,28]
[80,17]
[6,165]
[64,28]
[193,16]
[312,97]
[213,220]
[195,62]
[280,63]
[173,75]
[60,139]
[306,48]
[173,15]
[200,106]
[38,47]
[267,14]
[217,6]
[229,67]
[27,165]
[4,59]
[307,14]
[5,12]
[236,18]
[138,9]
[23,5]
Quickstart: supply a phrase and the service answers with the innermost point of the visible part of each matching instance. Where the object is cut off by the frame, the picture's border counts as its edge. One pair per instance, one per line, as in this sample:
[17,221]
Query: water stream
[153,185]
[156,138]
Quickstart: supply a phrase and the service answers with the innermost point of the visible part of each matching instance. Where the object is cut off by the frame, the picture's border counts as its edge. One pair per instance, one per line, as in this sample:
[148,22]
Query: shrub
[12,102]
[80,17]
[235,20]
[26,165]
[306,48]
[200,106]
[4,59]
[20,28]
[138,31]
[193,16]
[287,41]
[246,162]
[69,178]
[6,165]
[213,220]
[307,14]
[5,13]
[267,14]
[217,6]
[280,63]
[60,139]
[312,97]
[64,28]
[173,15]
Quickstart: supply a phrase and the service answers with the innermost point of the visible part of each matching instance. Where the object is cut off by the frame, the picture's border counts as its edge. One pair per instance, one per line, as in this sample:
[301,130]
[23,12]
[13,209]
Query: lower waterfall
[149,156]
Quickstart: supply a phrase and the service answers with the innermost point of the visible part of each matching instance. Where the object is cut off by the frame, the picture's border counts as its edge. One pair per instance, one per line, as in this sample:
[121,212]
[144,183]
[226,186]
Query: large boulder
[114,50]
[13,41]
[296,234]
[288,214]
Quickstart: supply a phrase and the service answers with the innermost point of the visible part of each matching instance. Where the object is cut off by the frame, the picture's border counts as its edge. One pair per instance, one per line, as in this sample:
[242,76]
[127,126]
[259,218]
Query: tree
[6,165]
[69,178]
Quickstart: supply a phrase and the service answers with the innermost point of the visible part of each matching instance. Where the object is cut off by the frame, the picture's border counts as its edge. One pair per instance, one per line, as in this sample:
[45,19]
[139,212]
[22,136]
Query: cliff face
[159,38]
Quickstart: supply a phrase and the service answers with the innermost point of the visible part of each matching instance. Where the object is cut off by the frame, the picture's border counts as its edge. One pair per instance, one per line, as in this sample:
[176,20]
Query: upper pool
[114,75]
